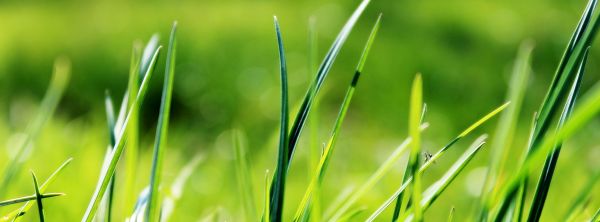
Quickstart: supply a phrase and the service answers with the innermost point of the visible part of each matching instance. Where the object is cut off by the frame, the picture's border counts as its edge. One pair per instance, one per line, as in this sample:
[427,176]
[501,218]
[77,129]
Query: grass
[504,195]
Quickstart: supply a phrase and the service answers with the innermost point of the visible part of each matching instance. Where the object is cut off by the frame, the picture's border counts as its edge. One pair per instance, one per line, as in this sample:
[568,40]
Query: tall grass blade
[278,186]
[176,190]
[243,172]
[416,102]
[38,197]
[107,173]
[319,173]
[547,172]
[267,208]
[313,123]
[437,188]
[160,143]
[58,83]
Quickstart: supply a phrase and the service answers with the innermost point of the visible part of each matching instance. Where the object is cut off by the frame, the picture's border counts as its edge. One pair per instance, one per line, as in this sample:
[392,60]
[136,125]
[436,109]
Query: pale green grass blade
[504,134]
[437,188]
[341,198]
[375,177]
[58,83]
[541,192]
[28,198]
[352,214]
[110,120]
[176,190]
[38,198]
[107,173]
[162,129]
[15,215]
[244,173]
[313,121]
[267,208]
[319,174]
[278,186]
[416,102]
[451,215]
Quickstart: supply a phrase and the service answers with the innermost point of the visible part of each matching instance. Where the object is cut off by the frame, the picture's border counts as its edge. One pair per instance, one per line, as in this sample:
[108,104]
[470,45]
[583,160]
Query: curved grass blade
[58,83]
[416,102]
[15,215]
[162,129]
[176,190]
[352,214]
[375,177]
[278,186]
[107,173]
[437,188]
[546,177]
[38,198]
[28,198]
[451,215]
[319,174]
[244,174]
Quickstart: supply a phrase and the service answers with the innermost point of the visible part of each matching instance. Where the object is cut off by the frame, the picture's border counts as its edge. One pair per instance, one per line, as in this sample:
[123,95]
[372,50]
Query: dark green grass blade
[549,166]
[244,173]
[14,215]
[28,198]
[160,143]
[416,103]
[320,78]
[588,109]
[60,79]
[278,186]
[108,172]
[584,195]
[319,174]
[38,197]
[436,189]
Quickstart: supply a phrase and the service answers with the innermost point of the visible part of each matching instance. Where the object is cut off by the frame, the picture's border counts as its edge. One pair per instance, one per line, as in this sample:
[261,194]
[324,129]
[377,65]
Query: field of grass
[328,111]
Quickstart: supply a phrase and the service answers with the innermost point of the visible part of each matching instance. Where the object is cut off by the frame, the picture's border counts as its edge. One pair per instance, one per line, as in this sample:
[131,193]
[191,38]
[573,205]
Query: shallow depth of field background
[227,77]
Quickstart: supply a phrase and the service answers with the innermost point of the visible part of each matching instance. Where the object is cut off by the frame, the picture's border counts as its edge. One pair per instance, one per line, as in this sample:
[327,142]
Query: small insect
[427,156]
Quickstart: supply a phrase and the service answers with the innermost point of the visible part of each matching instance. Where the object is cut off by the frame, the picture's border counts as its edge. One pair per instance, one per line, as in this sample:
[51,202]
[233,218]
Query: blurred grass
[447,41]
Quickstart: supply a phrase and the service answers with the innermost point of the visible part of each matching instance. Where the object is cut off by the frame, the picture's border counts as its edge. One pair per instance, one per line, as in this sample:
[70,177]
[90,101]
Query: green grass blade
[587,110]
[176,190]
[110,119]
[437,188]
[267,208]
[160,143]
[320,78]
[319,174]
[28,198]
[107,173]
[15,215]
[243,173]
[58,83]
[313,122]
[547,172]
[416,103]
[38,197]
[375,177]
[596,216]
[451,214]
[278,186]
[352,214]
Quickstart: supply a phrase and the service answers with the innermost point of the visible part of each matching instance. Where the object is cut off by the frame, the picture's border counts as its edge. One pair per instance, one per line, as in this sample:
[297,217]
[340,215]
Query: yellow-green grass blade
[588,109]
[15,215]
[110,120]
[162,129]
[278,187]
[176,190]
[541,191]
[38,198]
[352,214]
[28,198]
[436,189]
[451,214]
[108,172]
[313,122]
[414,119]
[319,174]
[244,173]
[58,83]
[584,196]
[374,178]
[504,134]
[267,207]
[131,153]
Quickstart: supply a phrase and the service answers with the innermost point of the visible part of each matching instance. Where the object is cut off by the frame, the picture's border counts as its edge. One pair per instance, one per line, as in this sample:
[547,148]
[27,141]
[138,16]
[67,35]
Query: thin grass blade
[28,198]
[244,173]
[38,198]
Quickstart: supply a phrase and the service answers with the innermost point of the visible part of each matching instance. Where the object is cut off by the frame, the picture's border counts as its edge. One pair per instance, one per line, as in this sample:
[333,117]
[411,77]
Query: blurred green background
[227,77]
